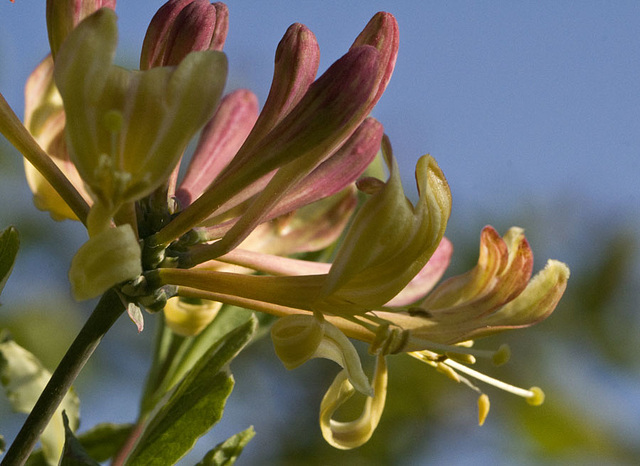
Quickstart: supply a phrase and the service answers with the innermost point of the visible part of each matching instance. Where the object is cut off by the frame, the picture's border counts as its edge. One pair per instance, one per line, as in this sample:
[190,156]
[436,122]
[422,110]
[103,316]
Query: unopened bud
[183,26]
[64,15]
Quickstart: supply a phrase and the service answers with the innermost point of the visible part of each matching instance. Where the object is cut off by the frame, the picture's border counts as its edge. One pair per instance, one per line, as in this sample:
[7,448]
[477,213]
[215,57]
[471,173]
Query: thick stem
[103,317]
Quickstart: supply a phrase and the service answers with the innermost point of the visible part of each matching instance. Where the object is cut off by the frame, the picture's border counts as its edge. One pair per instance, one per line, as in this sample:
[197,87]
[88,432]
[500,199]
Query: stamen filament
[524,393]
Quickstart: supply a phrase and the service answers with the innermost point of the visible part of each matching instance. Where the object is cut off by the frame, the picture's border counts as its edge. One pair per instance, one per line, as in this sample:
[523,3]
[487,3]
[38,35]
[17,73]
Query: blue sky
[516,100]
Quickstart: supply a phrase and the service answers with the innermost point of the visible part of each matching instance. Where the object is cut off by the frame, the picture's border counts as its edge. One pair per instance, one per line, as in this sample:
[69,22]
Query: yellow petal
[189,318]
[348,435]
[108,258]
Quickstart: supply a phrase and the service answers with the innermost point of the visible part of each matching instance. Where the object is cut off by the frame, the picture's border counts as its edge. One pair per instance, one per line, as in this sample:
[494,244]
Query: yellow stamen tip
[461,357]
[502,355]
[537,396]
[483,408]
[448,371]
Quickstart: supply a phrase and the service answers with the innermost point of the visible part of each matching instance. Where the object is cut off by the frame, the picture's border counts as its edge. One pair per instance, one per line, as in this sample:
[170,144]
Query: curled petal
[348,435]
[475,318]
[534,304]
[108,258]
[390,240]
[502,272]
[298,338]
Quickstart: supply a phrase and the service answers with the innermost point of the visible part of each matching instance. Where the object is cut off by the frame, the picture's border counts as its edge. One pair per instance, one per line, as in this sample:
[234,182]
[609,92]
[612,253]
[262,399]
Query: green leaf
[229,318]
[2,444]
[227,452]
[176,355]
[101,442]
[73,454]
[24,378]
[195,405]
[9,244]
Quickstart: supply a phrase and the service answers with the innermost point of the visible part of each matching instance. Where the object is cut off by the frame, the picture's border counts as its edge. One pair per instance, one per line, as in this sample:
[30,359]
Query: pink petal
[382,33]
[219,141]
[296,65]
[427,278]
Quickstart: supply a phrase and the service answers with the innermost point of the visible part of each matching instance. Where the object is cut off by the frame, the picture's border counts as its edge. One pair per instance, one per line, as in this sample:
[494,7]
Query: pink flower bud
[183,26]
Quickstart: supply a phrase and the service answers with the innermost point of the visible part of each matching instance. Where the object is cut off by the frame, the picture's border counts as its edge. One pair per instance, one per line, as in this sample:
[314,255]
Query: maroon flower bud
[183,26]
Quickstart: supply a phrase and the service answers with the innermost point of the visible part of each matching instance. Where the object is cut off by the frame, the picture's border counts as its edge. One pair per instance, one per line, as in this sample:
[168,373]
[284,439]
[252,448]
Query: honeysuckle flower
[263,185]
[126,130]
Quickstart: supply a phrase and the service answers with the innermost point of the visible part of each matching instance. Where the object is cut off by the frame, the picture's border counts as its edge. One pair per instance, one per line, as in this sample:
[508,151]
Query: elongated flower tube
[387,266]
[126,130]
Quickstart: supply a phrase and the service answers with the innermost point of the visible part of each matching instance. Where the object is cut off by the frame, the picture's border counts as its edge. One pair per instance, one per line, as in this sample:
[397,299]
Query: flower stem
[15,132]
[103,317]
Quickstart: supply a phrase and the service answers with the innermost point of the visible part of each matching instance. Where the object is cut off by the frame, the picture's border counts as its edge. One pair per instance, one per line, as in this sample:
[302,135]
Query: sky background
[514,99]
[532,110]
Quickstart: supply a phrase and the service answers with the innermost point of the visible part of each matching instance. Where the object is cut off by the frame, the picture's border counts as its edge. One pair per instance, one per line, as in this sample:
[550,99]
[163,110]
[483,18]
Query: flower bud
[64,15]
[183,26]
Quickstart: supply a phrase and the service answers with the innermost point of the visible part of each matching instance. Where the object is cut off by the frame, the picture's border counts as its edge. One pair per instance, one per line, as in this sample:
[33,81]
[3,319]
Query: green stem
[120,457]
[103,317]
[15,132]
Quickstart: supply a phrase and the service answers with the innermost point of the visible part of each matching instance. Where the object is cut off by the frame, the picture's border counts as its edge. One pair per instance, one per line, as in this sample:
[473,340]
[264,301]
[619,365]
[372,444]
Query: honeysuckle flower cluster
[263,188]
